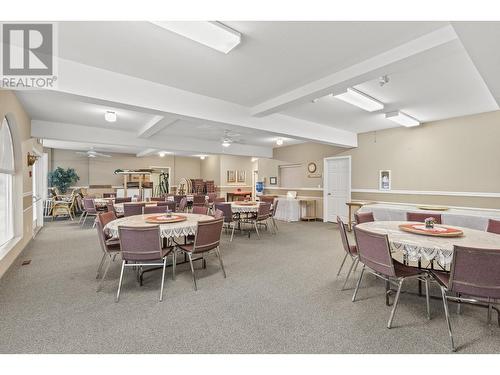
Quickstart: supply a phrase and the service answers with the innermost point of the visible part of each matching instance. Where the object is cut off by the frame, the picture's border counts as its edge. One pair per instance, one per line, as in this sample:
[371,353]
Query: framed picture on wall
[231,176]
[241,176]
[273,180]
[384,180]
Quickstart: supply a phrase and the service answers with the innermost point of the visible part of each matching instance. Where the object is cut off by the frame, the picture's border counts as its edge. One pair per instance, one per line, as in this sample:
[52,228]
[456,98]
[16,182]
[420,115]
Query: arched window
[6,174]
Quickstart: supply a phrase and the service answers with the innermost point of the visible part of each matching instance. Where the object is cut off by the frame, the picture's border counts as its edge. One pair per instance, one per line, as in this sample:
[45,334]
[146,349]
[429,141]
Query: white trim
[430,192]
[28,208]
[27,194]
[425,204]
[8,246]
[233,186]
[292,188]
[325,183]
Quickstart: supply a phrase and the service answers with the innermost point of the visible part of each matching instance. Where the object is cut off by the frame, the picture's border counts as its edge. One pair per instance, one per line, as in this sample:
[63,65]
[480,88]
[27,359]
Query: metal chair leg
[447,314]
[257,229]
[100,265]
[120,282]
[217,250]
[84,219]
[192,271]
[174,263]
[427,298]
[232,232]
[99,287]
[490,309]
[342,265]
[163,278]
[354,262]
[358,283]
[459,305]
[395,305]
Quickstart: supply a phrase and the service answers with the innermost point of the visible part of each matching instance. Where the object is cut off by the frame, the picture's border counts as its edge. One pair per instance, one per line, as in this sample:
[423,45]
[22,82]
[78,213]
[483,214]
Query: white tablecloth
[468,218]
[171,230]
[417,246]
[288,210]
[237,207]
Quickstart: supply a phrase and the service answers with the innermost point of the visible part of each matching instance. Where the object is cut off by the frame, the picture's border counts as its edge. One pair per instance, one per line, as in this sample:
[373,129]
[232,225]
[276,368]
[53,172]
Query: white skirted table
[416,246]
[170,230]
[288,210]
[469,218]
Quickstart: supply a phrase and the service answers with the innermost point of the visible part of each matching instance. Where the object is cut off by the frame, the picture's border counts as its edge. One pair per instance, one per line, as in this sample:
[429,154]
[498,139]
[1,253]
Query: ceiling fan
[93,154]
[230,138]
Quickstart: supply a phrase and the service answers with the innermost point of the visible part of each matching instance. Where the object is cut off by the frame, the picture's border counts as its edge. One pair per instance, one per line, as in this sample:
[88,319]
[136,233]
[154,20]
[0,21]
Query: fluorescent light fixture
[360,99]
[110,116]
[212,34]
[402,119]
[226,143]
[279,141]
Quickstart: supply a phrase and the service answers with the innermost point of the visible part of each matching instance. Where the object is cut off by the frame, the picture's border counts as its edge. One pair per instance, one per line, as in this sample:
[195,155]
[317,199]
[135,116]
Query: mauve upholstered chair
[142,246]
[375,254]
[199,200]
[363,217]
[474,273]
[493,226]
[155,209]
[219,199]
[207,239]
[350,251]
[158,199]
[262,216]
[228,216]
[218,214]
[182,205]
[167,204]
[131,209]
[111,208]
[110,247]
[273,214]
[200,210]
[89,210]
[420,217]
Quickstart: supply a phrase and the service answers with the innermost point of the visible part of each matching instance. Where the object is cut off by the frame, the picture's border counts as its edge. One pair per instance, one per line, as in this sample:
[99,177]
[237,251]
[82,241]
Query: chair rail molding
[431,192]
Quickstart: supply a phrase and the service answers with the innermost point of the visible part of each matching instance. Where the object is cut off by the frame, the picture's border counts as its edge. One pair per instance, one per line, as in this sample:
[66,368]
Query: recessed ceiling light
[402,119]
[226,143]
[360,99]
[110,116]
[202,157]
[279,141]
[161,154]
[209,33]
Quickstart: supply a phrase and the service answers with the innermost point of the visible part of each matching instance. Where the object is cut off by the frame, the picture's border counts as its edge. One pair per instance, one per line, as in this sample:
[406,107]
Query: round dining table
[418,246]
[242,207]
[119,206]
[168,230]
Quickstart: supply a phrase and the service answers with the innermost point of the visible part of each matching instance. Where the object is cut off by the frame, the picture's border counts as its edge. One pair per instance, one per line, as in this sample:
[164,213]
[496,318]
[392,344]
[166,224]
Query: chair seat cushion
[441,277]
[404,270]
[166,250]
[187,247]
[113,246]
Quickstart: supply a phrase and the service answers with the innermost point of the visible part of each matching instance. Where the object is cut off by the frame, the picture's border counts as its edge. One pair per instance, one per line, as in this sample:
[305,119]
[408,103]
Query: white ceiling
[171,93]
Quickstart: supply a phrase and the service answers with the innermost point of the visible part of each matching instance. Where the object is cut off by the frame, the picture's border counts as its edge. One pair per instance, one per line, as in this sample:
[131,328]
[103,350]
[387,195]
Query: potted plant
[63,178]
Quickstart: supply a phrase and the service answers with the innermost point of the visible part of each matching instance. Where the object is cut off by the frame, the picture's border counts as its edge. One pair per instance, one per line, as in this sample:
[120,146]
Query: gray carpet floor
[281,295]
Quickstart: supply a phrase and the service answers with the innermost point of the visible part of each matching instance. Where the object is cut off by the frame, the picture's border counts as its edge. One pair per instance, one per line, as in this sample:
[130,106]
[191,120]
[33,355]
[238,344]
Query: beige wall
[215,167]
[458,155]
[210,168]
[100,171]
[20,125]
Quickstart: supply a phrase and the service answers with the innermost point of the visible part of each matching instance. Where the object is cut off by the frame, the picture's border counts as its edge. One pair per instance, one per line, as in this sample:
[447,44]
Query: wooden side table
[306,204]
[357,205]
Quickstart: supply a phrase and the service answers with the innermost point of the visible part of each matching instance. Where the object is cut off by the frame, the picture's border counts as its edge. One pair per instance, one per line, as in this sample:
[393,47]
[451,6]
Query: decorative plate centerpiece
[165,219]
[436,230]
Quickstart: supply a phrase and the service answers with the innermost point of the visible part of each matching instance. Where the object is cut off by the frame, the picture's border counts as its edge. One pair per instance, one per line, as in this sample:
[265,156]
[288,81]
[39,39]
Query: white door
[336,187]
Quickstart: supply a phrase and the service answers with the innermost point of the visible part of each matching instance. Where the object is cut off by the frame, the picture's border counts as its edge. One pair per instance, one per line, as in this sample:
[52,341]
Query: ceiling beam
[155,125]
[355,74]
[146,152]
[151,97]
[77,133]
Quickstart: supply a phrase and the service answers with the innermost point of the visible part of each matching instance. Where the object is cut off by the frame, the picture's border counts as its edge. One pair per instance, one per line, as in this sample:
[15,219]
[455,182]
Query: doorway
[337,187]
[39,187]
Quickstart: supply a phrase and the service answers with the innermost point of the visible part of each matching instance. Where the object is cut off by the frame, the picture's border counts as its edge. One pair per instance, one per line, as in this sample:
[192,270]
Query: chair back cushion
[343,235]
[219,199]
[493,226]
[363,217]
[131,209]
[167,204]
[226,210]
[201,210]
[182,204]
[264,211]
[140,243]
[207,235]
[158,199]
[218,214]
[123,200]
[475,272]
[420,217]
[374,251]
[88,204]
[199,200]
[211,197]
[106,217]
[178,198]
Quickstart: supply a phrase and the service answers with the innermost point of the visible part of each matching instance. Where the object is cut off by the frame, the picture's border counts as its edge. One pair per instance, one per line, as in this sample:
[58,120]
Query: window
[6,173]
